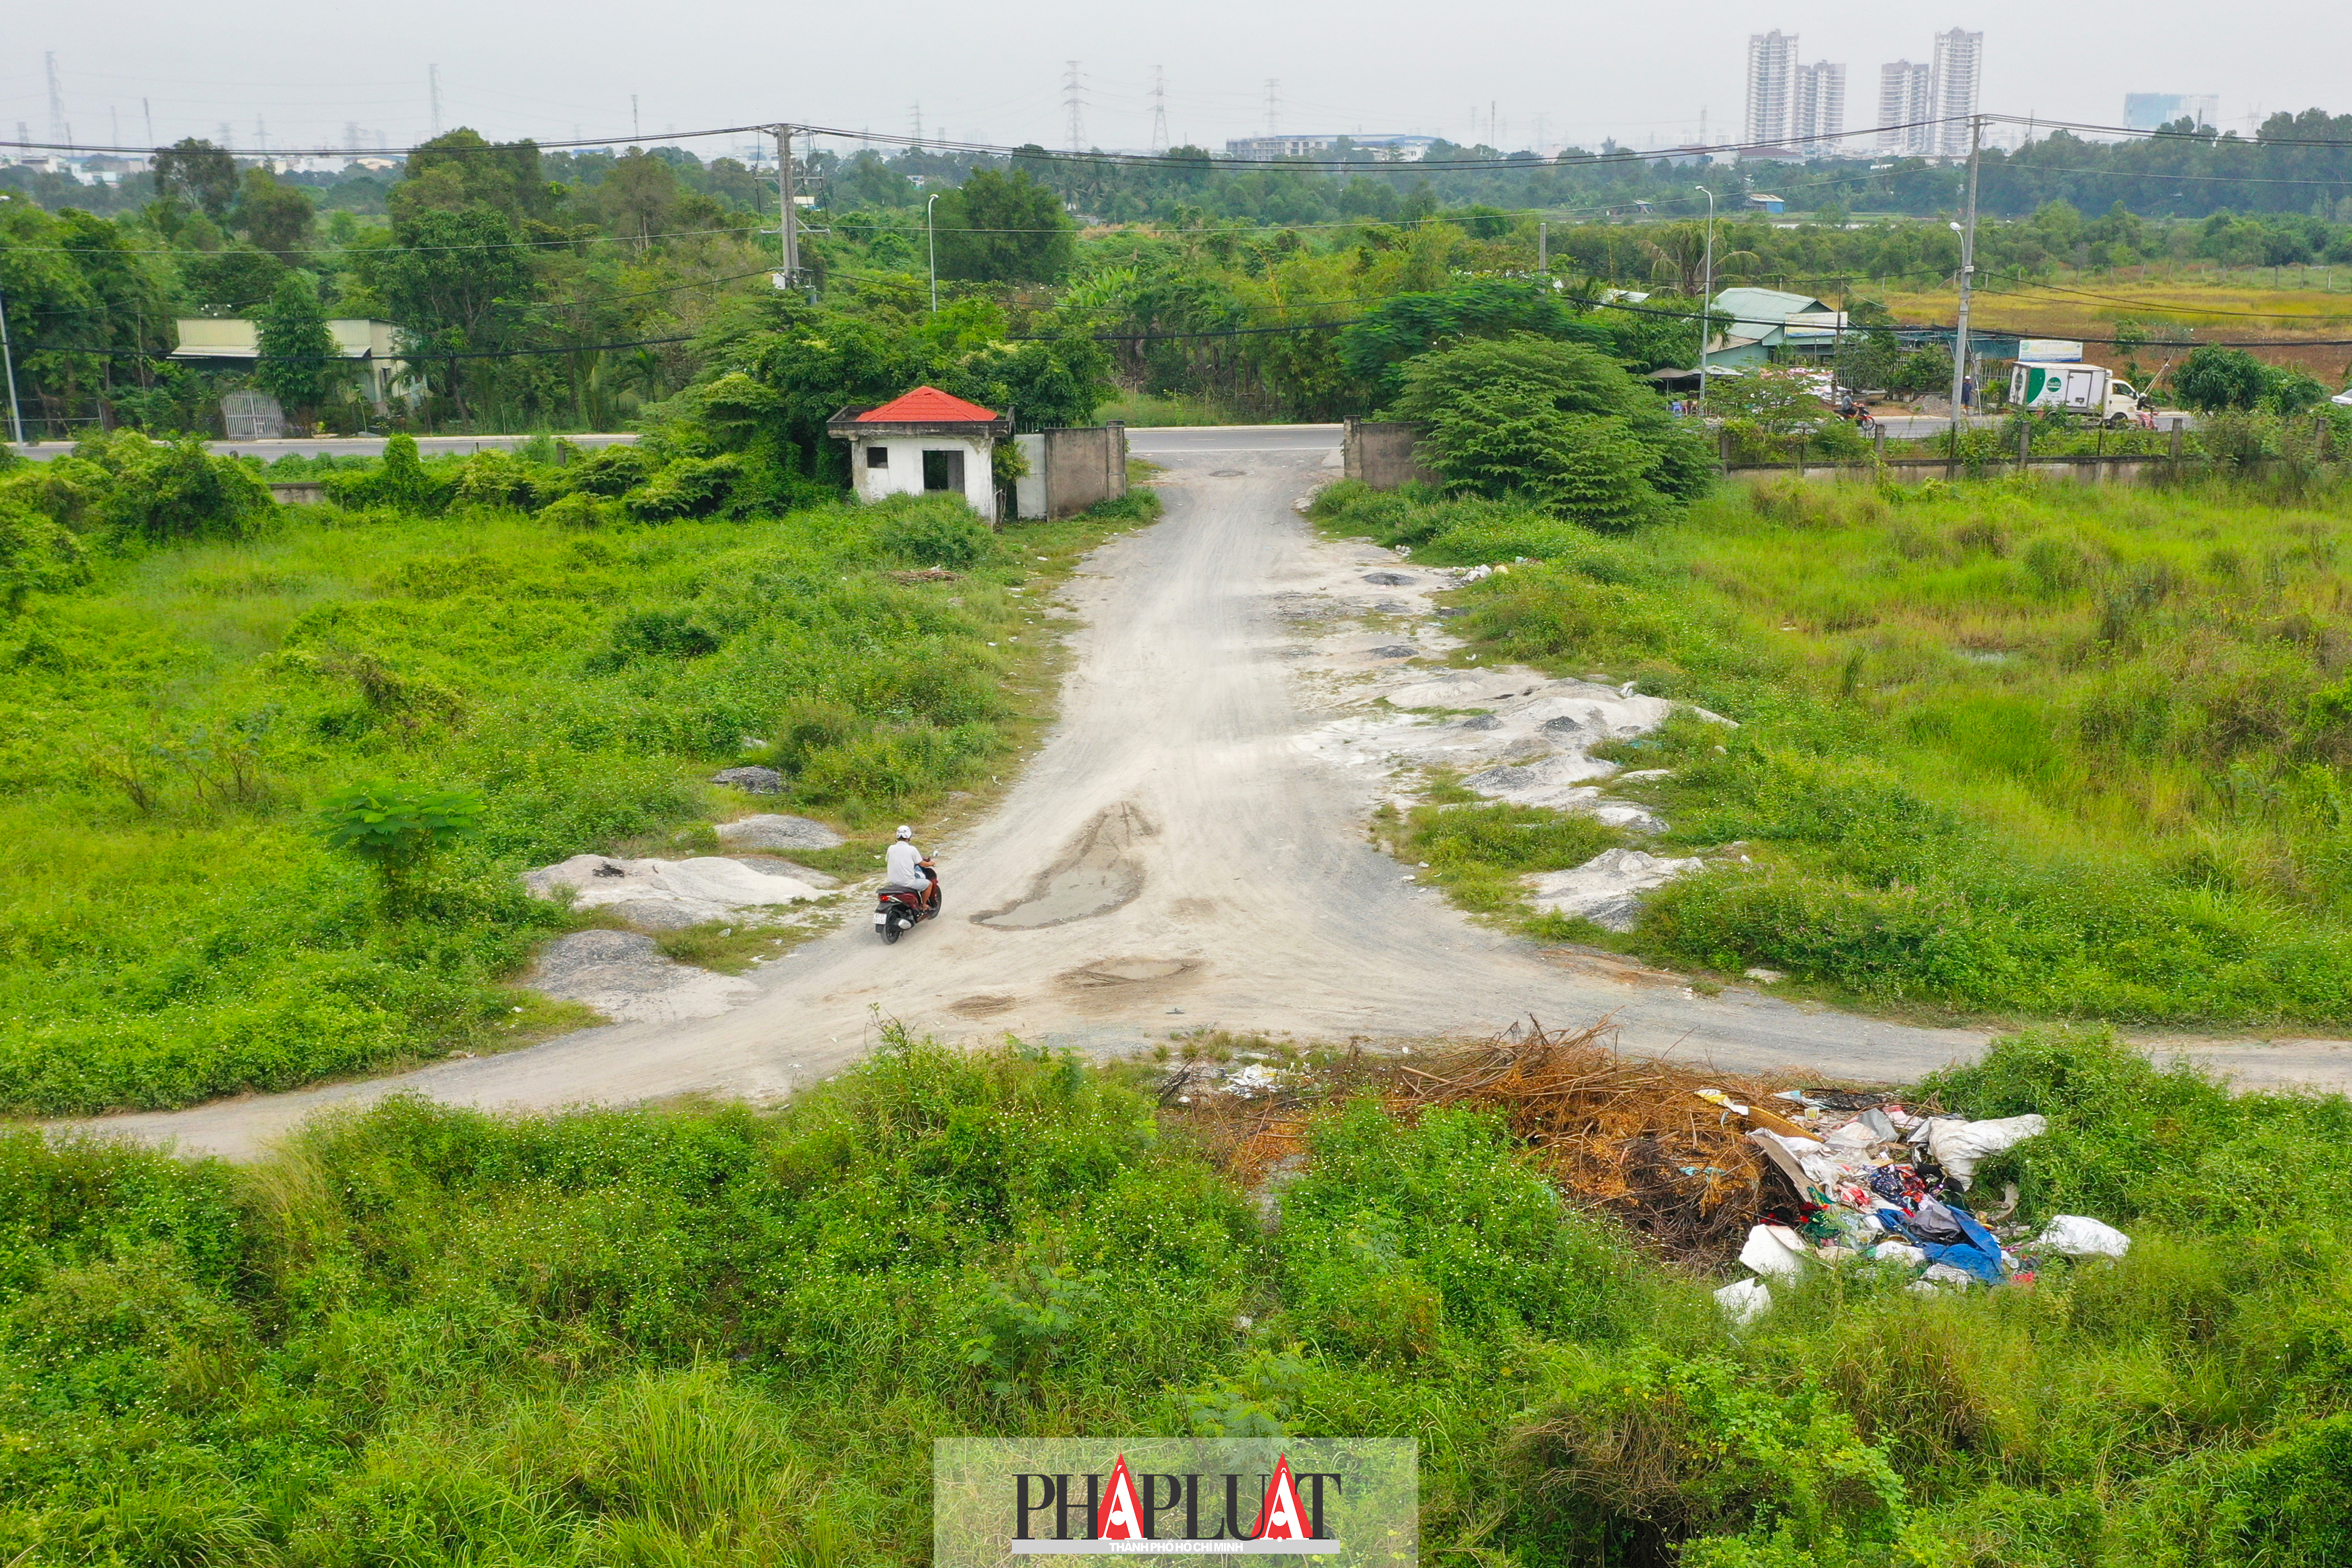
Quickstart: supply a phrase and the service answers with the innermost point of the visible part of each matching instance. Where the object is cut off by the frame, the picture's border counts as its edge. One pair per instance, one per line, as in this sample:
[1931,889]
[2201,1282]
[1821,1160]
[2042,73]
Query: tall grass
[718,1336]
[2008,746]
[173,928]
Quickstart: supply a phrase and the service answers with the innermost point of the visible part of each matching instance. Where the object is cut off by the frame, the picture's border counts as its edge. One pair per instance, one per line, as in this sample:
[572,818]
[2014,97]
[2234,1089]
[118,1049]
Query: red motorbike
[896,911]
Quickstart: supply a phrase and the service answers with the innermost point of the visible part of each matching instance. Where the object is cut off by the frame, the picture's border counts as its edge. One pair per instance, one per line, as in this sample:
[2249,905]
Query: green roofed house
[1768,325]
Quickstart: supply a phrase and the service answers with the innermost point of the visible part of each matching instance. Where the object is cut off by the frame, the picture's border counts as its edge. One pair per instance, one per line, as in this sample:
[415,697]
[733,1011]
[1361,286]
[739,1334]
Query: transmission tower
[1159,109]
[918,127]
[59,130]
[1071,101]
[1272,107]
[433,87]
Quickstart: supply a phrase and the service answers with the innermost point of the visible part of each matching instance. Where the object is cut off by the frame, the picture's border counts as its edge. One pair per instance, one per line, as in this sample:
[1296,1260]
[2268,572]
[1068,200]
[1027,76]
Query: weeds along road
[1175,844]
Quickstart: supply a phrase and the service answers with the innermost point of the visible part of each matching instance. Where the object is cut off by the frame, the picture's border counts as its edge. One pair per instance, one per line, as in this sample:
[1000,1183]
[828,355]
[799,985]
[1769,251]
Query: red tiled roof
[929,406]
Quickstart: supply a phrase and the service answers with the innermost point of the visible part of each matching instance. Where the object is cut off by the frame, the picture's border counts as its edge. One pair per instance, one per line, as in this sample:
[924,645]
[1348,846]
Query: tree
[638,195]
[197,171]
[296,365]
[503,175]
[1560,422]
[398,830]
[274,217]
[1003,229]
[1376,348]
[448,282]
[2212,379]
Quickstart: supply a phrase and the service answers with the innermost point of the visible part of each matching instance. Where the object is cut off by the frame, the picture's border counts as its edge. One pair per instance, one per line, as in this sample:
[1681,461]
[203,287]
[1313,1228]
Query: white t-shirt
[905,864]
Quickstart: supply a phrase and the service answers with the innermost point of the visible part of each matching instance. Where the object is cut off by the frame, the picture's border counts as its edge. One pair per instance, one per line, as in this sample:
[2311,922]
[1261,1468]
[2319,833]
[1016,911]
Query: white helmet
[905,832]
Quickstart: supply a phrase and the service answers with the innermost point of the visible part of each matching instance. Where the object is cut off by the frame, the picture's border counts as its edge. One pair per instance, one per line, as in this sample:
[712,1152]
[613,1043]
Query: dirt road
[1179,855]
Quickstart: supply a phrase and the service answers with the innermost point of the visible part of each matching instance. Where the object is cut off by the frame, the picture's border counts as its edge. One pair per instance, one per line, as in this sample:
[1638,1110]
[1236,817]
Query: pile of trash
[1705,1168]
[1865,1176]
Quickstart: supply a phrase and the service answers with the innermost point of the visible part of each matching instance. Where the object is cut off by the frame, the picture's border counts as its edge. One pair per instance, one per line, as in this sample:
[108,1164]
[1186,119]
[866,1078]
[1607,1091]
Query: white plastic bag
[1898,1252]
[1958,1145]
[2079,1237]
[1744,1301]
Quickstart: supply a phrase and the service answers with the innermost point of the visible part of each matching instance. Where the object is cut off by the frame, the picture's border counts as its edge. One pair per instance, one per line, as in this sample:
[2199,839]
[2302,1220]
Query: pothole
[1229,473]
[1094,877]
[983,1007]
[1124,972]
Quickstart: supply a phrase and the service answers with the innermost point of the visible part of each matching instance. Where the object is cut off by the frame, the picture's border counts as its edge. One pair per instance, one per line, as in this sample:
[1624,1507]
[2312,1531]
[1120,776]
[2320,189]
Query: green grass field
[715,1337]
[174,927]
[2005,748]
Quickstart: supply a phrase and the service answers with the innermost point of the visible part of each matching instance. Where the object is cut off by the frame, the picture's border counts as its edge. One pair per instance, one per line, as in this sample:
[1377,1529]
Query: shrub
[174,492]
[935,532]
[1562,423]
[398,830]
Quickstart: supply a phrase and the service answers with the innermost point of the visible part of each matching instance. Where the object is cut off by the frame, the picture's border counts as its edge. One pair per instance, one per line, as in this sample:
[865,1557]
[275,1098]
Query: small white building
[923,441]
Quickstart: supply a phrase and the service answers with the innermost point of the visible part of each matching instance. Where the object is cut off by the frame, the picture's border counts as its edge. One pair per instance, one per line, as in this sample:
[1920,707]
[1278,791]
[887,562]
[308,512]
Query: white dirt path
[1184,788]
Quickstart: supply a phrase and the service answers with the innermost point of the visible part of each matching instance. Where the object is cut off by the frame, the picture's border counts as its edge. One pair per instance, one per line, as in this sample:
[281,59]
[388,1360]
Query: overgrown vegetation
[2003,747]
[720,1337]
[200,700]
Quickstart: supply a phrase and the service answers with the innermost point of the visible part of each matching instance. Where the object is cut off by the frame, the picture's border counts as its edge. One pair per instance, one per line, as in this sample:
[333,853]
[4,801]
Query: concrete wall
[297,492]
[1072,469]
[903,473]
[1380,454]
[2086,470]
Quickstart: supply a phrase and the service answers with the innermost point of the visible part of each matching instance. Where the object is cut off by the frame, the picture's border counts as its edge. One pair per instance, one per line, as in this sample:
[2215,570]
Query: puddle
[1094,878]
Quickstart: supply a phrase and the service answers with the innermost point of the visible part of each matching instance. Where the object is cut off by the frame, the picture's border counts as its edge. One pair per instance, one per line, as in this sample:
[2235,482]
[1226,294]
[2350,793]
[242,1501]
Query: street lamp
[933,235]
[1706,297]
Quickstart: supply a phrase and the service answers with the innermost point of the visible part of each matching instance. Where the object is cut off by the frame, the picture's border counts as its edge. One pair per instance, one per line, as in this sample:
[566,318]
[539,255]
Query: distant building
[1764,321]
[1959,68]
[1817,117]
[1771,80]
[1773,205]
[369,345]
[1905,98]
[2154,110]
[1387,147]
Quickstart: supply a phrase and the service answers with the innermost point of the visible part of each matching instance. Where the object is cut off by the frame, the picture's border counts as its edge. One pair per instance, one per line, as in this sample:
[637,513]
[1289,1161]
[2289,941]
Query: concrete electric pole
[1967,228]
[788,205]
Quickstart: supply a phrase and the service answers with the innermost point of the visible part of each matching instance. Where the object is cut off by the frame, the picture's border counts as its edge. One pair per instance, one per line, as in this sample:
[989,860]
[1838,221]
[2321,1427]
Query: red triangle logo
[1281,1519]
[1122,1517]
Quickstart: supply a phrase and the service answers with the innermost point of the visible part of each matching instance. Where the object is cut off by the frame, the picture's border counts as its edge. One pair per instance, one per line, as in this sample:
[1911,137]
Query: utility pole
[1706,298]
[1967,272]
[8,363]
[787,225]
[1543,245]
[932,234]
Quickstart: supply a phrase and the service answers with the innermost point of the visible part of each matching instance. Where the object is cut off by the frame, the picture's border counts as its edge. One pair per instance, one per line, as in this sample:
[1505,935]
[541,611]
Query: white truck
[2074,387]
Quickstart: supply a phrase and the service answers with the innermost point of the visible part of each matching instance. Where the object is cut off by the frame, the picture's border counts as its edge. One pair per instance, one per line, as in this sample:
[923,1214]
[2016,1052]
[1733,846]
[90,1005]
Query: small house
[924,441]
[373,347]
[1768,324]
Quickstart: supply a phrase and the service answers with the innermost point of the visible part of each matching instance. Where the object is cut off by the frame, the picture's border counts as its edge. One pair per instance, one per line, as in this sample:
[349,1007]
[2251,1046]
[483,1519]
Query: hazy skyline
[997,75]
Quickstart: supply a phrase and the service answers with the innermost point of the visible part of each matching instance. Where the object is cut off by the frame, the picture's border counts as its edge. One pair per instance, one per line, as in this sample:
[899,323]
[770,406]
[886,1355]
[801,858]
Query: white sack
[2078,1237]
[1958,1145]
[1775,1251]
[1744,1301]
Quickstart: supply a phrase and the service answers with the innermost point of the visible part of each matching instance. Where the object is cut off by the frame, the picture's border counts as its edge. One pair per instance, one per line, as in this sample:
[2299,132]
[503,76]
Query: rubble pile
[1707,1169]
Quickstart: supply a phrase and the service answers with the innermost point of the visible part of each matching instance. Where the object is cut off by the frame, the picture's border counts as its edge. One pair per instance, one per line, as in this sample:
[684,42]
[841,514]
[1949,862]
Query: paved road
[1181,841]
[355,446]
[1159,441]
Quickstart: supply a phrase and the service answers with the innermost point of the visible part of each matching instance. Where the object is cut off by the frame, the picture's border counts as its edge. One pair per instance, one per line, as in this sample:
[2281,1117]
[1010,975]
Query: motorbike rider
[905,871]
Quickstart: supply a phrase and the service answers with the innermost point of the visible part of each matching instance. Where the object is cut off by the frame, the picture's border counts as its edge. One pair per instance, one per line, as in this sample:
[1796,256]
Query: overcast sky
[995,72]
